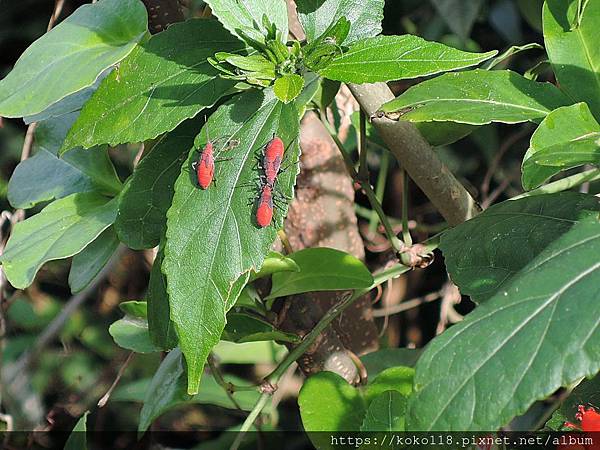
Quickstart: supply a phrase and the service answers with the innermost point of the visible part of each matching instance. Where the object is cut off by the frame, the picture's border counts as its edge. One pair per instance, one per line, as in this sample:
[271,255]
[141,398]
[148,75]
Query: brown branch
[415,155]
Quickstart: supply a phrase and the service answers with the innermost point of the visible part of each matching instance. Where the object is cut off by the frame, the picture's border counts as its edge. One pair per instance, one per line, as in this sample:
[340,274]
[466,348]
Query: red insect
[264,211]
[588,417]
[273,155]
[205,166]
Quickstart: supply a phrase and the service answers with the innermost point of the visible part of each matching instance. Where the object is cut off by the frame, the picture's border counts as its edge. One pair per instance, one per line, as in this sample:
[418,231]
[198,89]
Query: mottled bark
[322,215]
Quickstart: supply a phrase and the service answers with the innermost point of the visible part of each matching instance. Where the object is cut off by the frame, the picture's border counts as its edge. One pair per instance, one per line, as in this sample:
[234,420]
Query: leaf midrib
[551,299]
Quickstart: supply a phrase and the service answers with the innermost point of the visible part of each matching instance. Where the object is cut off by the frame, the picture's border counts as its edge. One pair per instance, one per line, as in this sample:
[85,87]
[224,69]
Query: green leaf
[274,263]
[538,334]
[321,269]
[399,379]
[90,261]
[259,352]
[135,308]
[444,133]
[288,87]
[212,237]
[477,97]
[387,58]
[45,177]
[249,14]
[77,439]
[572,46]
[143,204]
[328,403]
[163,82]
[385,413]
[131,333]
[168,390]
[483,254]
[586,393]
[505,56]
[243,327]
[459,15]
[134,391]
[377,362]
[72,55]
[568,137]
[62,229]
[316,16]
[162,329]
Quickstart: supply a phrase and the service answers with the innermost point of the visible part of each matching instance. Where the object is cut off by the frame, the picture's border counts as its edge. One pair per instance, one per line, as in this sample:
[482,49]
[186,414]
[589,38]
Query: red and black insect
[272,158]
[205,166]
[264,210]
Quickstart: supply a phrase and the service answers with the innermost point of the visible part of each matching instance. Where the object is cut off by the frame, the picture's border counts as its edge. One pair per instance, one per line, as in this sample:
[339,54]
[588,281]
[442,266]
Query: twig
[396,243]
[218,376]
[380,188]
[413,153]
[406,305]
[270,382]
[363,166]
[405,229]
[258,407]
[112,387]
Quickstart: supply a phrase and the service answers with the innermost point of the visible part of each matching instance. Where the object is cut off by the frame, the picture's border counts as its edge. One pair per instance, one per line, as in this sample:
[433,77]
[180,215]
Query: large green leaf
[477,97]
[328,403]
[387,58]
[321,269]
[212,237]
[540,333]
[248,14]
[45,176]
[162,330]
[61,229]
[568,137]
[143,204]
[87,264]
[163,82]
[385,413]
[572,44]
[318,15]
[168,390]
[483,254]
[72,55]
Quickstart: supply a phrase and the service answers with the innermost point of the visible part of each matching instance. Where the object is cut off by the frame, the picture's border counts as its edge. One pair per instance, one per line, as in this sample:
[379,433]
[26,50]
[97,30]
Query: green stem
[563,184]
[396,243]
[405,231]
[380,188]
[258,407]
[274,377]
[363,167]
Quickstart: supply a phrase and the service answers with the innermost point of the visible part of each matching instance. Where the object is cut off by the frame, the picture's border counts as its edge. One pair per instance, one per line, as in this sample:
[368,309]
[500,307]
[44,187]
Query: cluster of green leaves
[258,83]
[530,263]
[533,271]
